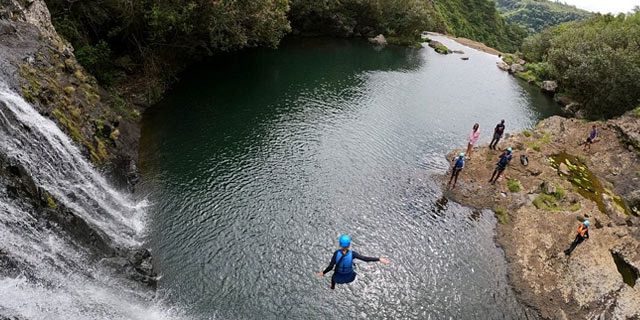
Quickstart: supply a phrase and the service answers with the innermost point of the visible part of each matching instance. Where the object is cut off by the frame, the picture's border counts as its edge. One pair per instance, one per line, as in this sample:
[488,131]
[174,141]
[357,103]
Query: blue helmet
[586,223]
[345,241]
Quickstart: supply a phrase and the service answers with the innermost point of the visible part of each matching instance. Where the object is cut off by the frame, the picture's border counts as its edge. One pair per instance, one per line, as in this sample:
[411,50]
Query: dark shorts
[500,168]
[344,277]
[456,171]
[497,136]
[589,140]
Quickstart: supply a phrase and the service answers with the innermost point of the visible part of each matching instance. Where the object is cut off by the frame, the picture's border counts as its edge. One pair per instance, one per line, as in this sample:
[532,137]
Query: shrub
[596,61]
[514,185]
[501,215]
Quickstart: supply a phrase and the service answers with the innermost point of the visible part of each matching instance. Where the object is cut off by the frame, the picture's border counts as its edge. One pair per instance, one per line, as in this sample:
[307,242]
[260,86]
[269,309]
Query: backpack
[504,160]
[459,163]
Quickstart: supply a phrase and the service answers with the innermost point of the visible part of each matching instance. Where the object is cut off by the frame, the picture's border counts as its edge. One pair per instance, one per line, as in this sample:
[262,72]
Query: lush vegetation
[475,19]
[535,15]
[150,38]
[478,20]
[596,61]
[147,41]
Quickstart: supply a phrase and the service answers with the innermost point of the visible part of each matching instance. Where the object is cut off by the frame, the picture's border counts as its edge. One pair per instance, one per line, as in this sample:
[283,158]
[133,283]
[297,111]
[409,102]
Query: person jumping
[342,260]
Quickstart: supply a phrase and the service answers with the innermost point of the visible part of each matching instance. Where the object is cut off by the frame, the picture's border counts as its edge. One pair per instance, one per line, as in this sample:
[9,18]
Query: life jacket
[504,160]
[345,264]
[459,163]
[582,230]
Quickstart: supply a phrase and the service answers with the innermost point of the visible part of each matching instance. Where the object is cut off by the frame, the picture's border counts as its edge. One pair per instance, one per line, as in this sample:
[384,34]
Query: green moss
[440,48]
[51,203]
[72,129]
[636,112]
[405,41]
[509,59]
[528,76]
[560,193]
[69,90]
[526,133]
[501,215]
[535,146]
[514,185]
[546,202]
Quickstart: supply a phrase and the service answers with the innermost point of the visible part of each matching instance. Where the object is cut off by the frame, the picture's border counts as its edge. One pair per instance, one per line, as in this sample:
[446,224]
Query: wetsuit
[497,134]
[344,272]
[583,233]
[457,167]
[505,158]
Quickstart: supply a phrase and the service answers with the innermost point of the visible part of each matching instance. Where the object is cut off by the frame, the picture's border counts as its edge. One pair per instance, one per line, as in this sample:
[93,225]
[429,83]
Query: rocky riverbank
[539,207]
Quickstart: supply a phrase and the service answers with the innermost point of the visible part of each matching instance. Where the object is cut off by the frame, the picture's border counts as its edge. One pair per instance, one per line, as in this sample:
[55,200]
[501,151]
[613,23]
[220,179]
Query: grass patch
[501,215]
[560,193]
[546,138]
[535,146]
[636,112]
[528,76]
[514,185]
[546,202]
[526,133]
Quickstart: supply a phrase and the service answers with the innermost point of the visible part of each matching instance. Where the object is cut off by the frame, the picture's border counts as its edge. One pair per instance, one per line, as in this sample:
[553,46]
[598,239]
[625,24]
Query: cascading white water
[56,277]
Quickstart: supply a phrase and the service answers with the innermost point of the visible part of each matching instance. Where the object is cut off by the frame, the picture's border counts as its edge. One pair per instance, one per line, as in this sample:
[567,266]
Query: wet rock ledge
[539,207]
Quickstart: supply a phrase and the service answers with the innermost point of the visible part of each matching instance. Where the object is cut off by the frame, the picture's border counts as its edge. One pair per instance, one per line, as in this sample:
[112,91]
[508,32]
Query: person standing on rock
[342,260]
[583,234]
[473,138]
[503,161]
[458,165]
[593,135]
[497,134]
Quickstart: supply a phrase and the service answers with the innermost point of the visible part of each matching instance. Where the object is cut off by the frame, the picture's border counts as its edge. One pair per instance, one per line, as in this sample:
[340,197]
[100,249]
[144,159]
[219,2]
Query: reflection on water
[258,160]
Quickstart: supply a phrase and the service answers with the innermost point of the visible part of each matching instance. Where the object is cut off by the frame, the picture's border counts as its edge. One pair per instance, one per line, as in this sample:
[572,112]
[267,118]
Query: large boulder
[549,87]
[379,40]
[515,68]
[502,65]
[439,47]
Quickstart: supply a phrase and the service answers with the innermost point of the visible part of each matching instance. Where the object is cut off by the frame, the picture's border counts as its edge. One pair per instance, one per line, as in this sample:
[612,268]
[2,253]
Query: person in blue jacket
[342,261]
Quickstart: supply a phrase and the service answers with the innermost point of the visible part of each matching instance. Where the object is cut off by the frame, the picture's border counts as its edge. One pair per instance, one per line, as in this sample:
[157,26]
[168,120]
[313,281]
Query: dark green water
[258,160]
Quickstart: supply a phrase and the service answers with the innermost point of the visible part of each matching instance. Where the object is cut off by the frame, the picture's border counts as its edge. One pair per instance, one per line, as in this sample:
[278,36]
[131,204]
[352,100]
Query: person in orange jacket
[583,234]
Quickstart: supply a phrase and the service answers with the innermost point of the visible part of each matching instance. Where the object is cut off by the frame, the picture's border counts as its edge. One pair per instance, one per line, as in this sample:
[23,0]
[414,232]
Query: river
[258,160]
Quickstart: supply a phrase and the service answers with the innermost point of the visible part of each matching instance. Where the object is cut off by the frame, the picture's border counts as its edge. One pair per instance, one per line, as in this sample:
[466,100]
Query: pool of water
[258,160]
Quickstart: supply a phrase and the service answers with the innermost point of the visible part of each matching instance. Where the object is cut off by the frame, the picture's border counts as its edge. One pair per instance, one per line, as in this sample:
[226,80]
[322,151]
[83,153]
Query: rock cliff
[540,205]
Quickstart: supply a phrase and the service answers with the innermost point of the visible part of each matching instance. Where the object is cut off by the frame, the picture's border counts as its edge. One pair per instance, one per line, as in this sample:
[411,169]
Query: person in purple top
[593,135]
[497,134]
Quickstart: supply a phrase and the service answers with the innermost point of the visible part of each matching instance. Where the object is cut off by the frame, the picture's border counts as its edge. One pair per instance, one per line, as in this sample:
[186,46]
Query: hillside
[535,15]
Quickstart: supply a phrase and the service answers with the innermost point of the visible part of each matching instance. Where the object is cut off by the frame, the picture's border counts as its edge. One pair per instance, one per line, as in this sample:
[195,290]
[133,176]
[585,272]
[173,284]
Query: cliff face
[40,65]
[539,206]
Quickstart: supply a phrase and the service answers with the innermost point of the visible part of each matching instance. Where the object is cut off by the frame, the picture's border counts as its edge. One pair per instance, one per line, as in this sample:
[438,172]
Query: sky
[604,6]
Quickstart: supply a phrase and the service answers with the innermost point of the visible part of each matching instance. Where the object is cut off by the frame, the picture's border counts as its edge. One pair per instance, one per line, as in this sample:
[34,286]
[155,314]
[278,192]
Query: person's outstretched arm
[369,259]
[332,264]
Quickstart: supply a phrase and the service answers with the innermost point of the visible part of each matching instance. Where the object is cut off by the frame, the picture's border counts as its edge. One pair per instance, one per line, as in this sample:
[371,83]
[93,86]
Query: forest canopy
[596,61]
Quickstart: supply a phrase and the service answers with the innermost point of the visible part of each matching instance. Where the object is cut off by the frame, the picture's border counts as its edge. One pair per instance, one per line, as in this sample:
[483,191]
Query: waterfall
[45,272]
